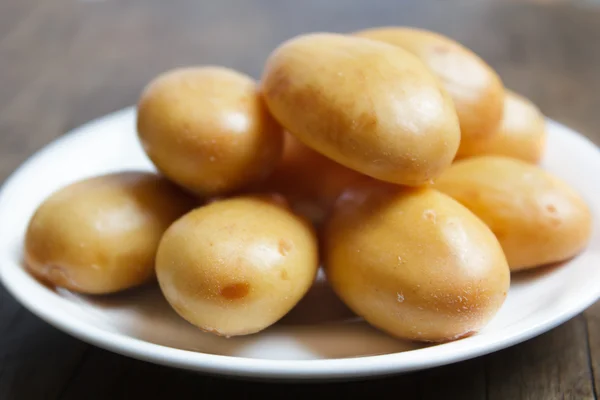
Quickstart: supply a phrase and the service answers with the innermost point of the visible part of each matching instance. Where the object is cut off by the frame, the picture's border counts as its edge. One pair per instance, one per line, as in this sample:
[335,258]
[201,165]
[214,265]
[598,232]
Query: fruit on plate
[476,89]
[413,262]
[522,134]
[237,266]
[369,106]
[207,129]
[308,180]
[393,158]
[99,235]
[538,218]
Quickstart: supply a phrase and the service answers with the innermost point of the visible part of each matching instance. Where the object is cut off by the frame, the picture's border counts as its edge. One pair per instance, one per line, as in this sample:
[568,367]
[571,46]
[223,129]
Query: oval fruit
[476,89]
[369,106]
[414,262]
[522,134]
[237,266]
[537,217]
[208,130]
[310,181]
[100,235]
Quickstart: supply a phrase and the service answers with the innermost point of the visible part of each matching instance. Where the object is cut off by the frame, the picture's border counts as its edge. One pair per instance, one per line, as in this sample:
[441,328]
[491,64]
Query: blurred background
[64,62]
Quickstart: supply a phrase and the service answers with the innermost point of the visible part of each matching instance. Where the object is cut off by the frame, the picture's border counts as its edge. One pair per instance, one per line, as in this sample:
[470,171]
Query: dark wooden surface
[63,62]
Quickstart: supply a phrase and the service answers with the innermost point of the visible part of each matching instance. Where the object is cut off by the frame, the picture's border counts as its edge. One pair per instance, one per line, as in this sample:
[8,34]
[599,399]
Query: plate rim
[322,369]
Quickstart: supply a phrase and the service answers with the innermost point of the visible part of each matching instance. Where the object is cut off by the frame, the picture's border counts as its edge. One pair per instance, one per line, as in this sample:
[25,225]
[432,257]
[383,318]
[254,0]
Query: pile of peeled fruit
[393,158]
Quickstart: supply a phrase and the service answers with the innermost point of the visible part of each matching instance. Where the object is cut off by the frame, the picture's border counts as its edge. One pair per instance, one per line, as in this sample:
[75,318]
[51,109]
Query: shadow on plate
[535,274]
[319,327]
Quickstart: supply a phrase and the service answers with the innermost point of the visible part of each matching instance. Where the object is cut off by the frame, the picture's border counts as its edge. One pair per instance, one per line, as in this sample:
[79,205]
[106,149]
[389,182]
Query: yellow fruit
[537,218]
[369,106]
[476,89]
[237,266]
[208,130]
[414,262]
[100,235]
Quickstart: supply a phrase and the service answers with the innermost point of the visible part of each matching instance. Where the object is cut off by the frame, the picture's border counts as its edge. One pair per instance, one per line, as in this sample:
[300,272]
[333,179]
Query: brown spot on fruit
[235,291]
[284,247]
[429,215]
[284,275]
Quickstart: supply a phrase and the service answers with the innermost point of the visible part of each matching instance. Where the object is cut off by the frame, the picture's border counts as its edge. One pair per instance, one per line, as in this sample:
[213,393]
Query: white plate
[319,339]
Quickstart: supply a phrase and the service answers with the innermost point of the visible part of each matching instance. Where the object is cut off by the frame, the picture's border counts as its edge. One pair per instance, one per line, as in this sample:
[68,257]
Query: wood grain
[552,366]
[592,316]
[64,62]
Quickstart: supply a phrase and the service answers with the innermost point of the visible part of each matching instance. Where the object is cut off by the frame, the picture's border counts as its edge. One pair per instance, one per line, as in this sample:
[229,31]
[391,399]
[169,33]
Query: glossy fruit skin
[522,134]
[414,262]
[537,217]
[208,130]
[369,106]
[237,266]
[308,180]
[100,235]
[476,89]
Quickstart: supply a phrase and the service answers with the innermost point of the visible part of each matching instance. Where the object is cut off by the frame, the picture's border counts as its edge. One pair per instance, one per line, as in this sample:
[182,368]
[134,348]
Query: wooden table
[63,62]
